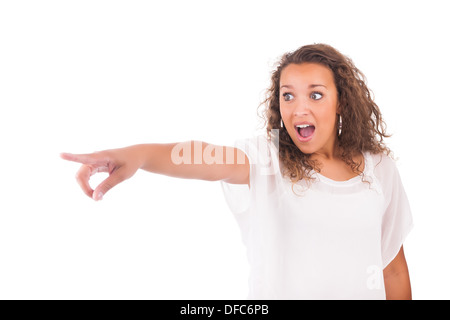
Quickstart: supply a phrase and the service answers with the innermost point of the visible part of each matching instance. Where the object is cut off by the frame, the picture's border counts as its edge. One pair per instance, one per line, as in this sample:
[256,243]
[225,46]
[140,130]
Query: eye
[316,96]
[287,96]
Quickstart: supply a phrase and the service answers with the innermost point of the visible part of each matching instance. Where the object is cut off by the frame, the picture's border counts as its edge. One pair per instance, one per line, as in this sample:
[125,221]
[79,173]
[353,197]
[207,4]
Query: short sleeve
[397,219]
[260,154]
[251,205]
[238,196]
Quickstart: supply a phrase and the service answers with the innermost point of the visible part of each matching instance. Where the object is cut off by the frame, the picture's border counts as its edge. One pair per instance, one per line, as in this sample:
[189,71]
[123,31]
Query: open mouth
[305,131]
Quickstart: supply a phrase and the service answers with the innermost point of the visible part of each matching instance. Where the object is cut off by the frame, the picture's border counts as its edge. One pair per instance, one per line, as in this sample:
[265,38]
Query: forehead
[305,74]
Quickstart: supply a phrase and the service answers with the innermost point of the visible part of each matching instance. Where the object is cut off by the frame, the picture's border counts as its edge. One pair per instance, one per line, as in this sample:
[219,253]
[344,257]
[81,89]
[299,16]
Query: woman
[321,206]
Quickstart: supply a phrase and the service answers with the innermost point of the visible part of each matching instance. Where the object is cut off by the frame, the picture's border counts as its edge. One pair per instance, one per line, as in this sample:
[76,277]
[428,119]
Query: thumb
[114,179]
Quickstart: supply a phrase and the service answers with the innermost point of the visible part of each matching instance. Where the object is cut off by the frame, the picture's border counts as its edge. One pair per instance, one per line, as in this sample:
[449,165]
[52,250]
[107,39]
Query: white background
[83,76]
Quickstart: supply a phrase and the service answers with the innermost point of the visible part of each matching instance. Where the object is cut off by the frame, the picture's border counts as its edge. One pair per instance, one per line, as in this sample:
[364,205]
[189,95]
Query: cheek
[285,114]
[327,118]
[285,117]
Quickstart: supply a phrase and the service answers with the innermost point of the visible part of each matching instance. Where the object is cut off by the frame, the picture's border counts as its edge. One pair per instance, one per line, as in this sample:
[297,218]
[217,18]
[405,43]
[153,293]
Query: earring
[281,123]
[340,126]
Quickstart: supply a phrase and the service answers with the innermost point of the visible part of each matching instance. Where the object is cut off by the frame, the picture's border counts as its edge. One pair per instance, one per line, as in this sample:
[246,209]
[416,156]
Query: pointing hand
[121,164]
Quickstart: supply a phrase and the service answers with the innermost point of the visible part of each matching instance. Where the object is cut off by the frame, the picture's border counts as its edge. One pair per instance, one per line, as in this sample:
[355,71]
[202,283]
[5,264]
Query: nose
[301,109]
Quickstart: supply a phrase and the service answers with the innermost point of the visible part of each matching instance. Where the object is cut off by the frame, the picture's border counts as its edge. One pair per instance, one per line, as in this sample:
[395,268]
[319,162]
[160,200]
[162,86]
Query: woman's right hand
[121,164]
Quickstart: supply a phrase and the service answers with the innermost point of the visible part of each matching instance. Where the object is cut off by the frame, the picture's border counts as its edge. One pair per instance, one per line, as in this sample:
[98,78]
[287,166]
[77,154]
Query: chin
[306,149]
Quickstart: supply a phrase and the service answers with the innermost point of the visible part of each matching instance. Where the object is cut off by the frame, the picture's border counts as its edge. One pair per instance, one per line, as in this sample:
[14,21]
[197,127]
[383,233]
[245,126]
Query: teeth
[301,126]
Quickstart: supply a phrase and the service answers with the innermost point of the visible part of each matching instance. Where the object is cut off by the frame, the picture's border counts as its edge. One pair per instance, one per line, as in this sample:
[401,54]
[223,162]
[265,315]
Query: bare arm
[396,279]
[196,160]
[190,160]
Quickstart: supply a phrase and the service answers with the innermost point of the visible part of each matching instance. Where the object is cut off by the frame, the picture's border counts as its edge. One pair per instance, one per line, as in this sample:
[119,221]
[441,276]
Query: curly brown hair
[363,128]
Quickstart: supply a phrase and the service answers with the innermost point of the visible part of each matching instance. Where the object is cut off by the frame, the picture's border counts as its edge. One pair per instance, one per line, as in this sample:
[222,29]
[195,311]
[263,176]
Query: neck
[331,152]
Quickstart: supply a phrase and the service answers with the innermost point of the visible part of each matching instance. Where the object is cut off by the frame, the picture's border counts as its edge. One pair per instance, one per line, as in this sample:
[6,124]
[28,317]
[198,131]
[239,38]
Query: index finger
[88,158]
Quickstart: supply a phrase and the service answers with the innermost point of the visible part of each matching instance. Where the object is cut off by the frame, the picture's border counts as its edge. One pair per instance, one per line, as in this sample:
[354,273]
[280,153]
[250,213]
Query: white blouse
[329,240]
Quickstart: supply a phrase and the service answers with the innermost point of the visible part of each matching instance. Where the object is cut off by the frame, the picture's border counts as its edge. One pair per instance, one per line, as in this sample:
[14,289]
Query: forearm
[398,286]
[194,160]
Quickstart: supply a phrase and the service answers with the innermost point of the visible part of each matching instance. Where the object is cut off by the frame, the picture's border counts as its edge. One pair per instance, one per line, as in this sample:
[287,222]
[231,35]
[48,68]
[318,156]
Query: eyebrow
[309,87]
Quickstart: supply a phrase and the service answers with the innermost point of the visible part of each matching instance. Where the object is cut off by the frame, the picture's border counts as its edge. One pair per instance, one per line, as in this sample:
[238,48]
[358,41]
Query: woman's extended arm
[396,279]
[190,160]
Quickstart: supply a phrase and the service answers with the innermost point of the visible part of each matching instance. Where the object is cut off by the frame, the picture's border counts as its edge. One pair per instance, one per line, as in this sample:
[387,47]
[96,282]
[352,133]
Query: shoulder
[383,165]
[262,154]
[257,148]
[386,173]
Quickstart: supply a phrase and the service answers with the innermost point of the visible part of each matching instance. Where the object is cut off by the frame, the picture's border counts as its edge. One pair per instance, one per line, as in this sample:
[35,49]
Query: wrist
[137,153]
